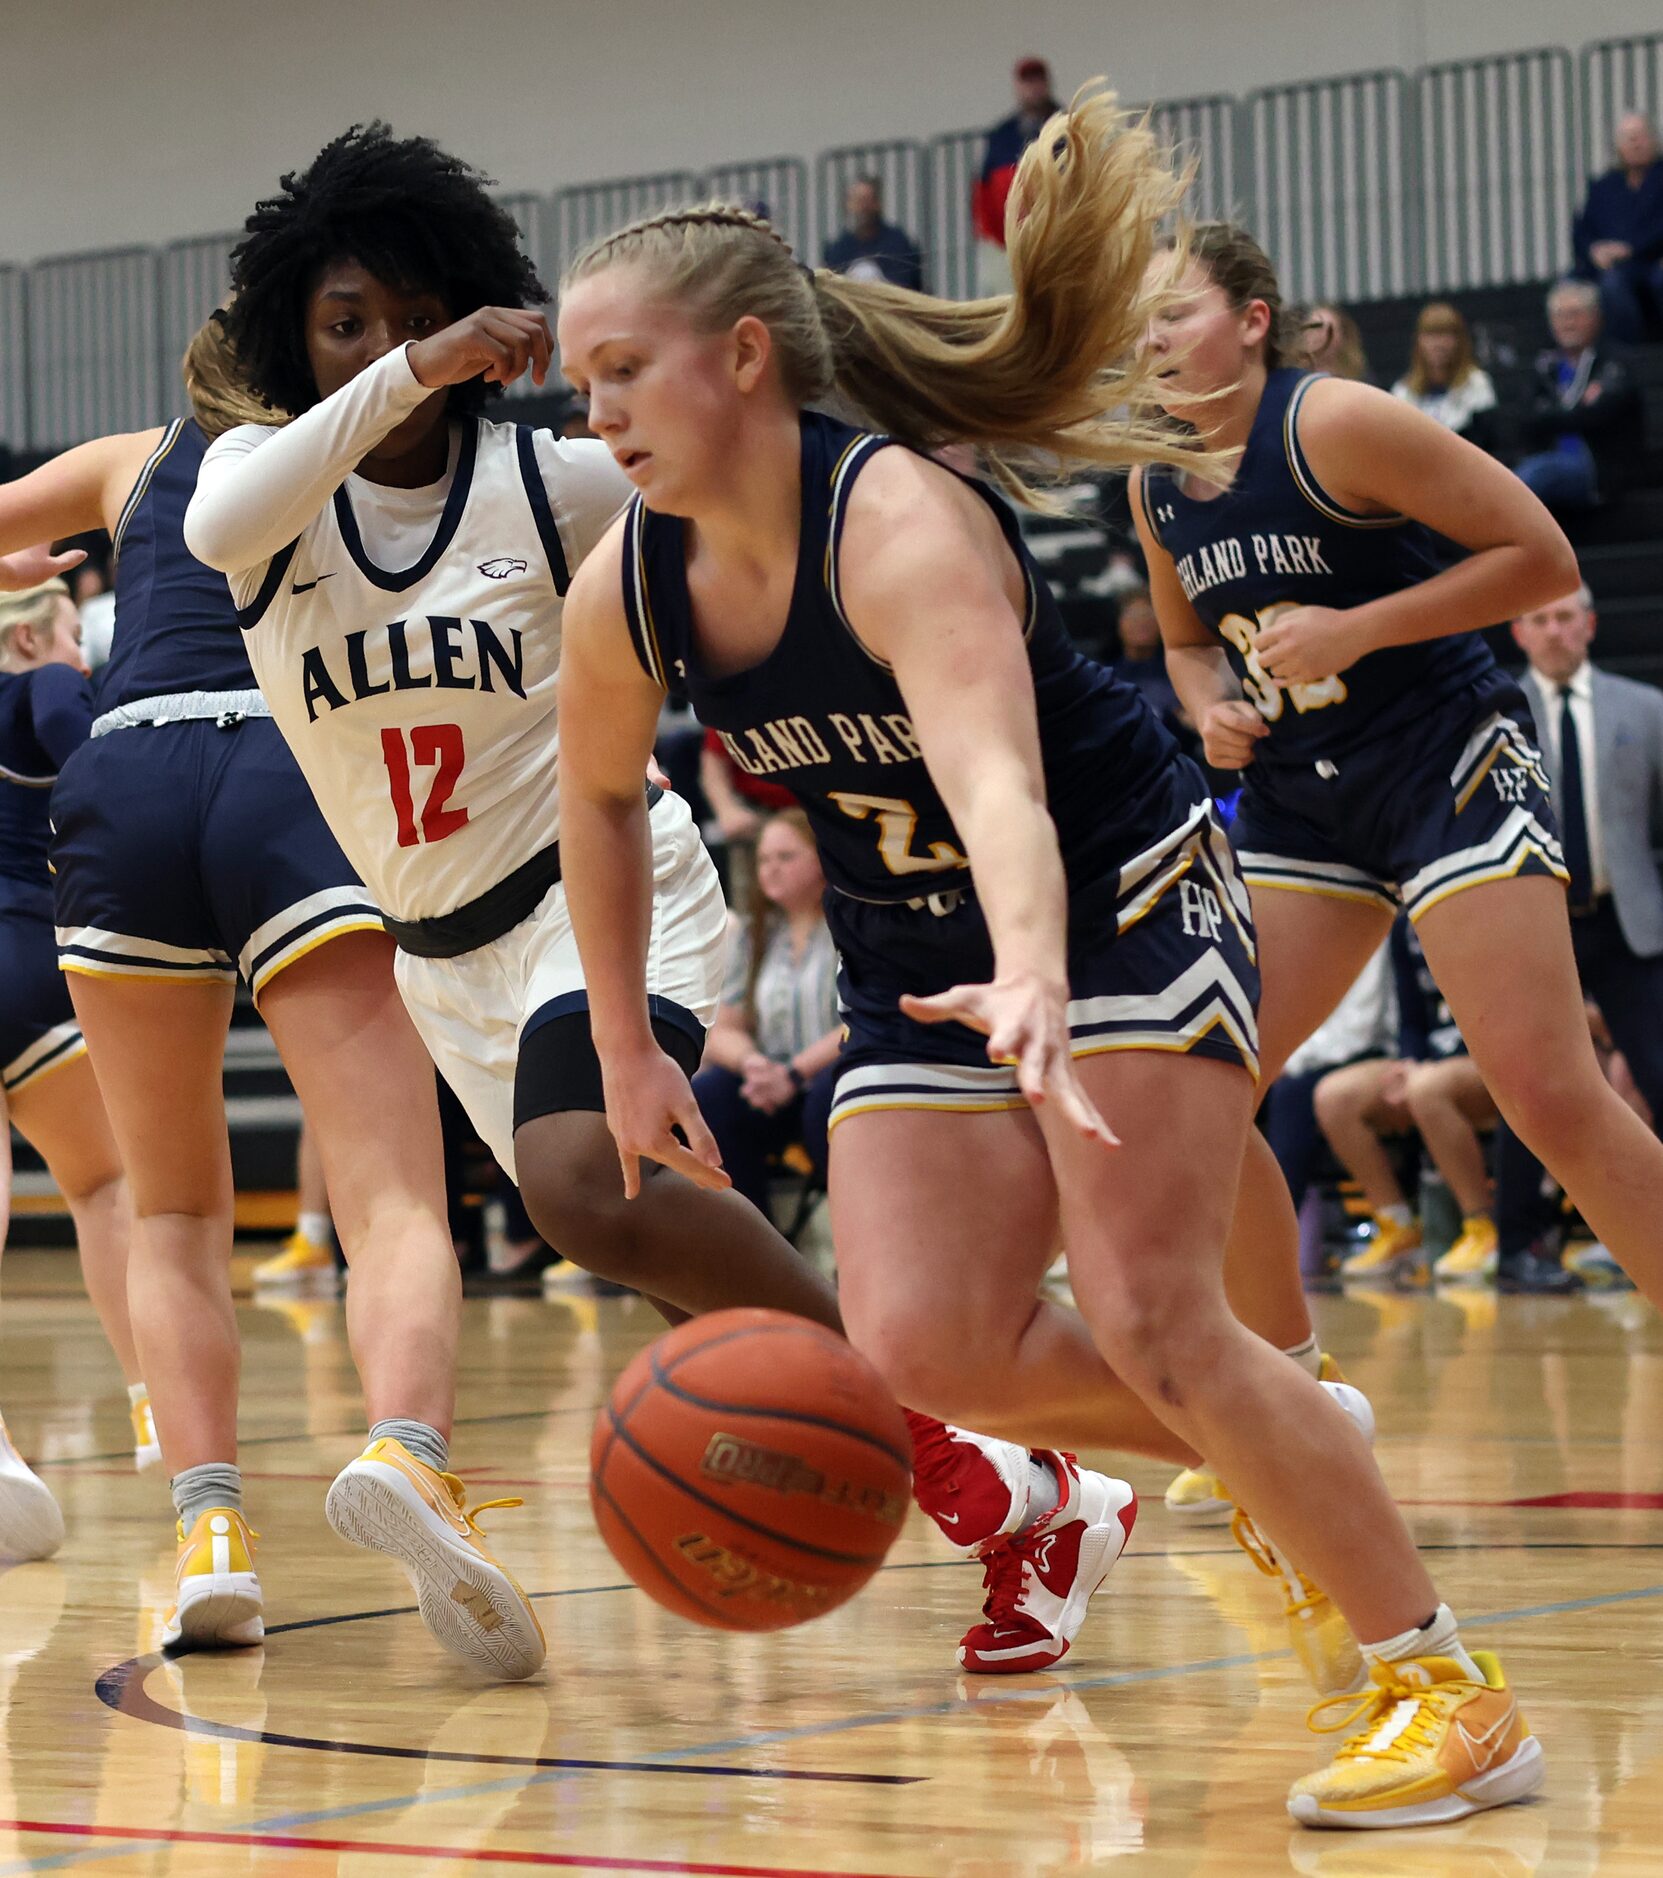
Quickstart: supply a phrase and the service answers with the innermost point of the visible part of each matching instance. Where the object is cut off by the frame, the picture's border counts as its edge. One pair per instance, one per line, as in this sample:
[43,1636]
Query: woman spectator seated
[1432,1086]
[771,1058]
[1445,381]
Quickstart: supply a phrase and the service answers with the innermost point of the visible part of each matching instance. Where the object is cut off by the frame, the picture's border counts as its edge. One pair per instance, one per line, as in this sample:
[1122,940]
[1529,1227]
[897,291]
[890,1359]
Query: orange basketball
[750,1471]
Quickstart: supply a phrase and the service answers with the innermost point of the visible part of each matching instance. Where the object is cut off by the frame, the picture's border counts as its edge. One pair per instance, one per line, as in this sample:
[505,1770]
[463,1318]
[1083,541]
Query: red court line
[568,1861]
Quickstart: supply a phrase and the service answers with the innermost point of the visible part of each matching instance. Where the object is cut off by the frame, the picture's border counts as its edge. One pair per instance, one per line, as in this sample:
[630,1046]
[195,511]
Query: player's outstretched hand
[497,342]
[1306,644]
[647,1099]
[1025,1021]
[1229,732]
[30,566]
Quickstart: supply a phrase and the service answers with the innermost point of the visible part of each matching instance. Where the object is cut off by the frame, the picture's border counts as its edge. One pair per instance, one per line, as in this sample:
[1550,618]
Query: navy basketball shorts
[1410,821]
[185,851]
[38,1031]
[1161,956]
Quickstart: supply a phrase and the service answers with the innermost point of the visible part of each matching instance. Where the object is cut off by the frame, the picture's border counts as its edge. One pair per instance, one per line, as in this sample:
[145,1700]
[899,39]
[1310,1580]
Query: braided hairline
[702,215]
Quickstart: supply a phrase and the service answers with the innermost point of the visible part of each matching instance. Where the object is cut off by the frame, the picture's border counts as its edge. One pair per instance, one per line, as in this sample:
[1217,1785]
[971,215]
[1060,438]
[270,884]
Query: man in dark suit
[1602,740]
[1585,424]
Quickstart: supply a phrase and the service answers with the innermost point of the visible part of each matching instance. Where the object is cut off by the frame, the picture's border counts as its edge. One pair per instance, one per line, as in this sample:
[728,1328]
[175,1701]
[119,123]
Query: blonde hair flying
[220,400]
[1046,378]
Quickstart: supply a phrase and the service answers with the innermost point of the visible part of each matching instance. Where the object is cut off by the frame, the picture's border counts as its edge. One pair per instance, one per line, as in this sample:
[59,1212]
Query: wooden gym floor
[1523,1437]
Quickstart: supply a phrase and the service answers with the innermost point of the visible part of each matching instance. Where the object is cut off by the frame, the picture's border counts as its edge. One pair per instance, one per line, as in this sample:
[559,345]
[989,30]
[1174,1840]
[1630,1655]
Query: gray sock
[214,1483]
[426,1443]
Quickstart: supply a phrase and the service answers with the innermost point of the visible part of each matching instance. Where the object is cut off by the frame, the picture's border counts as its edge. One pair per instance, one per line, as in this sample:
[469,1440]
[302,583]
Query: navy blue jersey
[44,716]
[1276,539]
[175,623]
[825,718]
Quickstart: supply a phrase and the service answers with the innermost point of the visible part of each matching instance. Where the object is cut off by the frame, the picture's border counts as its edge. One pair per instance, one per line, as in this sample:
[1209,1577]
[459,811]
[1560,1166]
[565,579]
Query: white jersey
[408,641]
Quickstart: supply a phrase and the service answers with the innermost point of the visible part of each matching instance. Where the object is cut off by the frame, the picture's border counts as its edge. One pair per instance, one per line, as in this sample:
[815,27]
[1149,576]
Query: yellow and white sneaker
[147,1450]
[216,1595]
[1433,1746]
[302,1261]
[388,1501]
[1200,1498]
[1318,1635]
[31,1526]
[1473,1257]
[1394,1247]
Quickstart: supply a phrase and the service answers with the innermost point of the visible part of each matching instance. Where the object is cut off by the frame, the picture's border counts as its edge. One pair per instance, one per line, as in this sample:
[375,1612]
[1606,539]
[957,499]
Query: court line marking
[997,1698]
[600,1861]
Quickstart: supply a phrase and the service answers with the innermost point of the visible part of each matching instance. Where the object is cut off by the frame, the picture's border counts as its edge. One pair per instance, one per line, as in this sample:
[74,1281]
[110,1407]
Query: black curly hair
[416,217]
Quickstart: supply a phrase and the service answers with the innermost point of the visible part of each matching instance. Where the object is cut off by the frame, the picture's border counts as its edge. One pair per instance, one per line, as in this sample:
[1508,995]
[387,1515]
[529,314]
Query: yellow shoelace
[1373,1705]
[1257,1548]
[471,1514]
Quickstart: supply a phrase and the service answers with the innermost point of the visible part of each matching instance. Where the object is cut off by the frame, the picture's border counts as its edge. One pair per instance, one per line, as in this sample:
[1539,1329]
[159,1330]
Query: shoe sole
[1516,1779]
[1107,1540]
[374,1506]
[31,1522]
[221,1611]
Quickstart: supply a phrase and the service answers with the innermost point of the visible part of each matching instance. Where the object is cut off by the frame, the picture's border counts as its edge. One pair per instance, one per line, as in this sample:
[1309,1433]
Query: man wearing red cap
[1005,144]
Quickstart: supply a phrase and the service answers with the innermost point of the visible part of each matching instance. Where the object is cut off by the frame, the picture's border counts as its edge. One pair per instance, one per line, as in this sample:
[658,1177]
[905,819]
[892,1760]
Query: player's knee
[577,1204]
[1151,1332]
[933,1361]
[1555,1116]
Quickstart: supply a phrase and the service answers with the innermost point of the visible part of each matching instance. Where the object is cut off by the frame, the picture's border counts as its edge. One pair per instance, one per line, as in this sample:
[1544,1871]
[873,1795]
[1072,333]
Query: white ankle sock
[1307,1356]
[1393,1215]
[137,1393]
[1044,1492]
[1440,1637]
[316,1228]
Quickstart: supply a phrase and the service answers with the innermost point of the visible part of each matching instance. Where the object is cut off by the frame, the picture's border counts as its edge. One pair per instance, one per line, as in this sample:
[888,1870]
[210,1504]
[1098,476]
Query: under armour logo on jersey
[681,668]
[1164,512]
[501,568]
[1203,916]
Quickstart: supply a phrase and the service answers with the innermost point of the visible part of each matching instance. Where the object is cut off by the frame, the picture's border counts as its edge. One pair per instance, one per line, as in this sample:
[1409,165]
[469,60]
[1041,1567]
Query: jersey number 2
[429,745]
[897,823]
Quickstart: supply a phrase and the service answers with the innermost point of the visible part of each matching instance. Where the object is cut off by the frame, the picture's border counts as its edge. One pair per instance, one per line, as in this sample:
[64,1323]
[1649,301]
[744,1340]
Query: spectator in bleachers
[870,248]
[1602,741]
[1142,660]
[771,1059]
[1432,1085]
[1000,156]
[1332,342]
[1445,381]
[1618,235]
[741,803]
[1584,421]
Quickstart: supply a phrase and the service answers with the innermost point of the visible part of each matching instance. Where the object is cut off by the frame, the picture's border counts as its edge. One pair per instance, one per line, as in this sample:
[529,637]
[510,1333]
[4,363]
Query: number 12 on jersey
[428,746]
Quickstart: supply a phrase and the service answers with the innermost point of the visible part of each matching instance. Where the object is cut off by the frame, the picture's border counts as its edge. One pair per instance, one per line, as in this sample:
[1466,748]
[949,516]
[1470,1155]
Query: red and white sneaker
[974,1487]
[1039,1581]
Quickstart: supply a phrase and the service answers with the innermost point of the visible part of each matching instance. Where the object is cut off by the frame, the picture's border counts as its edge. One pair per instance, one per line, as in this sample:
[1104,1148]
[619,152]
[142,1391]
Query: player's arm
[1195,661]
[75,493]
[1379,455]
[608,717]
[258,488]
[930,587]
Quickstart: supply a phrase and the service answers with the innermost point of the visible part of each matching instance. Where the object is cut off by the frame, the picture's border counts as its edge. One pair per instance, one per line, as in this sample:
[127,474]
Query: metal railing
[1499,168]
[1364,185]
[1327,175]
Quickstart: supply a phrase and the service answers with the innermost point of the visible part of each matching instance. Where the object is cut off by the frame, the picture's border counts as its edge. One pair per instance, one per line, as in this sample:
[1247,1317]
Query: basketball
[750,1471]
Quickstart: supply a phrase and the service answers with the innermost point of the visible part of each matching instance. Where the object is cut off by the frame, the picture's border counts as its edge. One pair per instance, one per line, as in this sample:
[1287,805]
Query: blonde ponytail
[220,400]
[1047,378]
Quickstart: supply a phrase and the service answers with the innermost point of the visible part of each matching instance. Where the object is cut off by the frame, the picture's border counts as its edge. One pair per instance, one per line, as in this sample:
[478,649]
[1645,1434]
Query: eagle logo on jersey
[501,568]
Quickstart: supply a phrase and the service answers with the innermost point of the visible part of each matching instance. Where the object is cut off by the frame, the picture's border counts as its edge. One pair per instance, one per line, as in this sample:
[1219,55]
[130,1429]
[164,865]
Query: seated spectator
[1142,661]
[771,1059]
[1005,144]
[1332,342]
[1584,421]
[1445,381]
[871,248]
[1618,235]
[1432,1085]
[740,803]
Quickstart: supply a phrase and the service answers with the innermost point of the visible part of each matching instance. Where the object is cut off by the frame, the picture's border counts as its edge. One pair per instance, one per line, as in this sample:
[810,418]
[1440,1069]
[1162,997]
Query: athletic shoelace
[1380,1703]
[471,1514]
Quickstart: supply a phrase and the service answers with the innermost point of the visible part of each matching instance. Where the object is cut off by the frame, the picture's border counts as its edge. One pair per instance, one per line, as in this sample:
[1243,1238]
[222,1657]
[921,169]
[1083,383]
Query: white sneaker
[31,1526]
